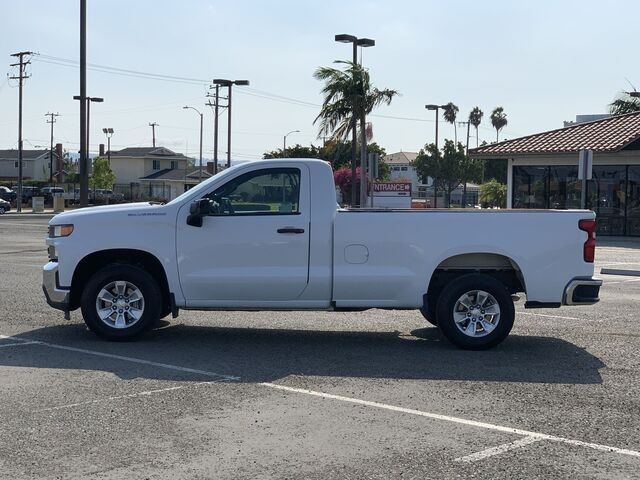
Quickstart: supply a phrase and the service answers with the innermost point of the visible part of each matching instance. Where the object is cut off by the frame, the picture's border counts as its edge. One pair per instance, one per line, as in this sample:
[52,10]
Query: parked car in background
[7,194]
[49,192]
[4,206]
[101,194]
[28,191]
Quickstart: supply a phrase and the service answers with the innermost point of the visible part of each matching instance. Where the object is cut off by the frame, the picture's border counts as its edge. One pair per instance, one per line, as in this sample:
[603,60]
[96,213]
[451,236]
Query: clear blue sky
[543,61]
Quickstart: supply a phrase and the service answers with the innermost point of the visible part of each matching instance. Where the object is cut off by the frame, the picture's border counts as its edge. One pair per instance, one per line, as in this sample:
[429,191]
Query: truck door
[254,246]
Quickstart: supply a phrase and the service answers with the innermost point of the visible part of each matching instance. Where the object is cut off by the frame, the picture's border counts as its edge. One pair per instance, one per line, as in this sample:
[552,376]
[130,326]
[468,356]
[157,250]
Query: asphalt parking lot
[376,394]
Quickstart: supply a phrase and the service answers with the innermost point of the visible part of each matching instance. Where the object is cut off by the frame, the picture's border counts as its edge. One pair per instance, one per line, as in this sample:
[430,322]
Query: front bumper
[582,291]
[57,297]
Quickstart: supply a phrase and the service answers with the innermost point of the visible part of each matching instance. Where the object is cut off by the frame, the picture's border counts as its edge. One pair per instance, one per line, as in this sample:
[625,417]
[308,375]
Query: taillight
[589,250]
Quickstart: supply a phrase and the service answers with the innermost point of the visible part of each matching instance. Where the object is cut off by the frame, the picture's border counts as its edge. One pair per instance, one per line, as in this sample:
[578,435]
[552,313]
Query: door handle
[290,230]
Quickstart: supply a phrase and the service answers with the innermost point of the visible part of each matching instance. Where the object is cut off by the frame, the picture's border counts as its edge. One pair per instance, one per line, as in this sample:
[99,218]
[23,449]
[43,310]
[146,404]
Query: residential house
[35,165]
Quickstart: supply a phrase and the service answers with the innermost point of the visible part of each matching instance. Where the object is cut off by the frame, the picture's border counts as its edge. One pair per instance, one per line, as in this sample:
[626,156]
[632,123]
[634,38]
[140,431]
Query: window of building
[404,169]
[396,169]
[606,195]
[174,164]
[156,164]
[633,200]
[530,187]
[564,187]
[274,191]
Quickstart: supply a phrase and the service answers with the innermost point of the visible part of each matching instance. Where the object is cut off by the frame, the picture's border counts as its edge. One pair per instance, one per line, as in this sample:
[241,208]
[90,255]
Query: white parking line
[462,421]
[132,360]
[497,450]
[356,401]
[131,395]
[16,344]
[519,312]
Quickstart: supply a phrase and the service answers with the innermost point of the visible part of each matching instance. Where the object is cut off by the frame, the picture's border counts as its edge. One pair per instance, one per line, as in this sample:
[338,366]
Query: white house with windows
[35,164]
[402,169]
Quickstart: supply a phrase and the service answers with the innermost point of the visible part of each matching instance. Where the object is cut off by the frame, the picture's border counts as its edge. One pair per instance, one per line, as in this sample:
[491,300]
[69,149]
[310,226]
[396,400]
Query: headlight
[60,230]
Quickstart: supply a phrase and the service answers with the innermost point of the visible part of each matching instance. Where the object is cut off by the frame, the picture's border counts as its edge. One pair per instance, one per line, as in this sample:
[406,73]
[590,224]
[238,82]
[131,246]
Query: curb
[615,271]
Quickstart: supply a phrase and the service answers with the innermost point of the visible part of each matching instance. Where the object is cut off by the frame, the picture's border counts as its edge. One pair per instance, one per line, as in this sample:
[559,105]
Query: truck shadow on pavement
[263,355]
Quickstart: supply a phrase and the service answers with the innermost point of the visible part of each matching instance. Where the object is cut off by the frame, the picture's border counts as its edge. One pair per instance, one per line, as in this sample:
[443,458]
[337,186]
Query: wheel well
[97,260]
[500,267]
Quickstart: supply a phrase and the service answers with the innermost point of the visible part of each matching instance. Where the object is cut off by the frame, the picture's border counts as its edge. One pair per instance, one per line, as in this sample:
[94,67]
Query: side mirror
[197,210]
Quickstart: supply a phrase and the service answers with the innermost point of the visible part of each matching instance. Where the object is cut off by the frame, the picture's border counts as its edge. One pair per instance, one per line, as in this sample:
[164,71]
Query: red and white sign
[392,189]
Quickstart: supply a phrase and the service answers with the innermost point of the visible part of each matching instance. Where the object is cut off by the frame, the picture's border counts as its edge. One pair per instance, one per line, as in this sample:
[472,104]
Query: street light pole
[356,42]
[187,107]
[435,189]
[284,143]
[109,133]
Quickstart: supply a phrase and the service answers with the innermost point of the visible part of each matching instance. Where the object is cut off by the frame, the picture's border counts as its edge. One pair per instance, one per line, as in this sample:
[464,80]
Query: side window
[156,164]
[273,191]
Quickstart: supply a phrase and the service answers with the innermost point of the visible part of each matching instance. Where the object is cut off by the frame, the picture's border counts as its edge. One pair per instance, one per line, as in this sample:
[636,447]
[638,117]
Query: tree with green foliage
[338,153]
[347,94]
[624,103]
[102,176]
[449,113]
[471,171]
[493,194]
[475,119]
[446,167]
[498,120]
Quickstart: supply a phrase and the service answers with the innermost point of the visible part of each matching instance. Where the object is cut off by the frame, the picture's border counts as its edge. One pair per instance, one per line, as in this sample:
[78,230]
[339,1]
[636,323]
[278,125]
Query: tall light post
[84,174]
[109,133]
[229,84]
[284,142]
[187,107]
[356,42]
[436,108]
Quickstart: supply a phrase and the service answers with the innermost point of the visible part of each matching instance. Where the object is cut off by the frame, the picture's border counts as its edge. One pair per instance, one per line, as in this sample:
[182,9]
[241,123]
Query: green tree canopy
[102,176]
[449,113]
[498,120]
[624,103]
[446,167]
[493,194]
[475,119]
[347,93]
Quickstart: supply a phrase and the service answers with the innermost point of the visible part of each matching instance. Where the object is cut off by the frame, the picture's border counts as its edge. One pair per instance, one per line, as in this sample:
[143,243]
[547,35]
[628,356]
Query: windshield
[204,186]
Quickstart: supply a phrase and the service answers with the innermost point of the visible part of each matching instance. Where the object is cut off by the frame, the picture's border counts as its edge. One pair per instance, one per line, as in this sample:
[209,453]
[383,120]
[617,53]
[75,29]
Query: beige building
[131,164]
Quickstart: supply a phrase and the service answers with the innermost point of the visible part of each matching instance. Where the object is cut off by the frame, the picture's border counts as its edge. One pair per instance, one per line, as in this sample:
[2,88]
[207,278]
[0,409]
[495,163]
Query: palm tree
[498,120]
[475,118]
[450,112]
[347,94]
[625,103]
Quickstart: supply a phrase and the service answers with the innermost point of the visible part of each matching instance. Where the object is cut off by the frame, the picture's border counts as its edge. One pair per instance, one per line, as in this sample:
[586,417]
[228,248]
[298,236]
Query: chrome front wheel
[120,304]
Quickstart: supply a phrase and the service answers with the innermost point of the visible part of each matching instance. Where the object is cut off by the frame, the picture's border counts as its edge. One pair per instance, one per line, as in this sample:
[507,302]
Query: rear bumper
[582,291]
[57,297]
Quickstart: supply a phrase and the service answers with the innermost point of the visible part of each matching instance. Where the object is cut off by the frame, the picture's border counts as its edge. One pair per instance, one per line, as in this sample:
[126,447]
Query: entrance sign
[391,195]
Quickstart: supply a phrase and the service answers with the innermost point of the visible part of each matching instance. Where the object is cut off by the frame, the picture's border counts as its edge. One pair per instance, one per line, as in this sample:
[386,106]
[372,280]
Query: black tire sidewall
[450,296]
[135,275]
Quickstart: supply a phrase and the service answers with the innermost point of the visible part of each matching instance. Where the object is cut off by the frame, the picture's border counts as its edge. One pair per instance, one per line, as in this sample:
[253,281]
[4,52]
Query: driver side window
[272,191]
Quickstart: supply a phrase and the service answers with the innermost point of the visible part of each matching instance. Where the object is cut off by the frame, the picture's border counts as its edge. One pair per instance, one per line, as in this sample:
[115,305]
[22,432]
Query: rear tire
[121,302]
[475,312]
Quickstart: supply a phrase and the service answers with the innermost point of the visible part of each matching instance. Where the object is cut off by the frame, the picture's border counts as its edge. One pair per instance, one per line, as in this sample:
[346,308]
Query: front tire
[121,302]
[475,312]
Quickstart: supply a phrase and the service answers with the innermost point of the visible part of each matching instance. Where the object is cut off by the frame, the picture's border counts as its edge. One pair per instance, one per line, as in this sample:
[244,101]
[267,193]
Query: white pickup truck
[269,235]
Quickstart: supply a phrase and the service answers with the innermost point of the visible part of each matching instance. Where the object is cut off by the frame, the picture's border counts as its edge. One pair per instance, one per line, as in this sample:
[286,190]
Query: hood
[126,209]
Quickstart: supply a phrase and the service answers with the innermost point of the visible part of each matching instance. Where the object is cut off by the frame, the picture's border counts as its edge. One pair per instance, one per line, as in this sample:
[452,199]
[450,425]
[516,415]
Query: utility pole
[153,129]
[229,84]
[216,106]
[52,120]
[22,76]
